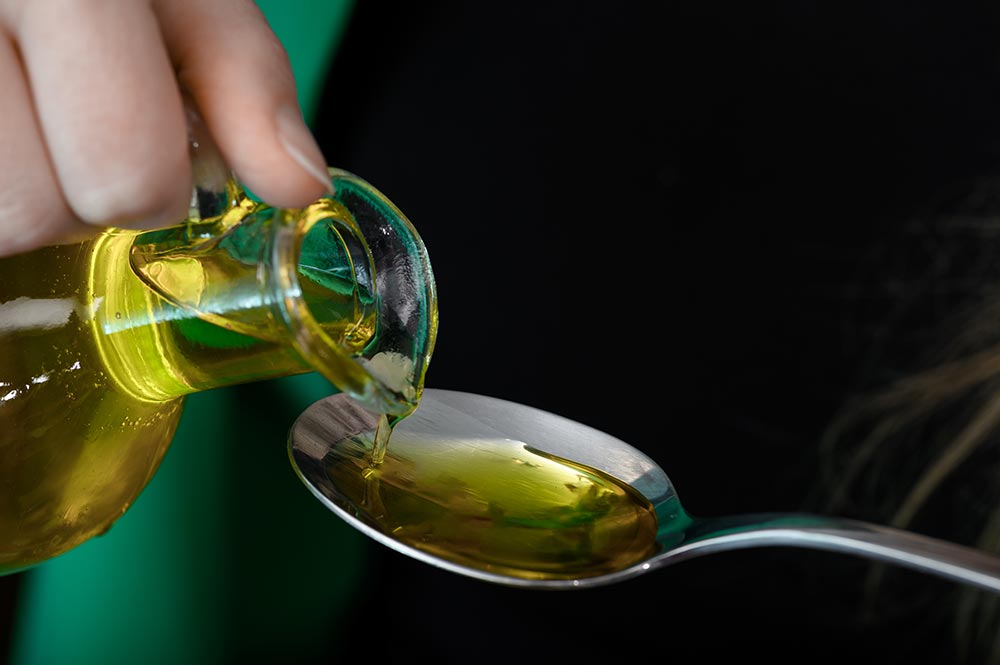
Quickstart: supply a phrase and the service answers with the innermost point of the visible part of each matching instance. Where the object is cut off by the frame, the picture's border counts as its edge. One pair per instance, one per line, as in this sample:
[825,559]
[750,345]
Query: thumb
[230,62]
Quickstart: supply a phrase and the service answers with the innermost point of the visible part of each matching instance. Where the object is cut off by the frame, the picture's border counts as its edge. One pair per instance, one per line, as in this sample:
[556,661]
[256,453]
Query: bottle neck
[159,349]
[342,287]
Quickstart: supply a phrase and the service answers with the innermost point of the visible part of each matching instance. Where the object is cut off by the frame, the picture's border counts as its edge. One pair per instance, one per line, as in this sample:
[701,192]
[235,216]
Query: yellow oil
[94,366]
[76,443]
[495,505]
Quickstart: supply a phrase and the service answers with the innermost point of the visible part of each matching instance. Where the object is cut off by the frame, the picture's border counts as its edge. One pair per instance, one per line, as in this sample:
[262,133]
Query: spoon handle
[905,548]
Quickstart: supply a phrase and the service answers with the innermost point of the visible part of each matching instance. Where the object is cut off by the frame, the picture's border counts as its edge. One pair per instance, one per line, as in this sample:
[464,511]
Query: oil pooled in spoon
[492,503]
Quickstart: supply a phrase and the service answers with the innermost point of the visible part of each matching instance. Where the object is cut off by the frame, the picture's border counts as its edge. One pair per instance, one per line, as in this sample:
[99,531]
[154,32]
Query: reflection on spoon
[514,495]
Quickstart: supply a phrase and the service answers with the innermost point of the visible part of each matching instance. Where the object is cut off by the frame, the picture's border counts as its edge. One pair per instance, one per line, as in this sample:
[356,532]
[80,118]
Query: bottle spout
[381,355]
[344,283]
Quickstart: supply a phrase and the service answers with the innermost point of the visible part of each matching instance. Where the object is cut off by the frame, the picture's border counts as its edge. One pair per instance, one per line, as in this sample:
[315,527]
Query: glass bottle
[101,341]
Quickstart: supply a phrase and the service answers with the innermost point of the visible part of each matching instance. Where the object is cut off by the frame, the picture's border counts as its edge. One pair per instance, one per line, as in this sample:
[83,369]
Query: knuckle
[28,222]
[142,199]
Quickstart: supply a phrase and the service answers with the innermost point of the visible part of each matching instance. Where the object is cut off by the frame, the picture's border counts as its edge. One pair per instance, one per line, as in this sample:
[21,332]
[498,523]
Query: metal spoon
[453,419]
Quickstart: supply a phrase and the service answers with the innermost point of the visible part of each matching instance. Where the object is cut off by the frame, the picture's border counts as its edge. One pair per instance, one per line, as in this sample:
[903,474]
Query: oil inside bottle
[492,504]
[101,342]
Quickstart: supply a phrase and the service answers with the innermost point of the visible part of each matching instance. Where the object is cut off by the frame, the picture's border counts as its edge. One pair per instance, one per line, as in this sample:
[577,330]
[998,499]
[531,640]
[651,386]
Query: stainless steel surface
[452,416]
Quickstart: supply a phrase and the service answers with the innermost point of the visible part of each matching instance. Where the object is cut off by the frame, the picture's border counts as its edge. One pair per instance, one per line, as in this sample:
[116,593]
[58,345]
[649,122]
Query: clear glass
[101,341]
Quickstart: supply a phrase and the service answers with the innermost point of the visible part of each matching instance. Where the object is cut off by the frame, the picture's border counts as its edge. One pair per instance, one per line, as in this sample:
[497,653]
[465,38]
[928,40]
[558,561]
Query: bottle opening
[345,284]
[361,300]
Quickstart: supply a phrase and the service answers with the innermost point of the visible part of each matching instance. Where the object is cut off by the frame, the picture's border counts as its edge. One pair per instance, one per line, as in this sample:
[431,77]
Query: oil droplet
[381,441]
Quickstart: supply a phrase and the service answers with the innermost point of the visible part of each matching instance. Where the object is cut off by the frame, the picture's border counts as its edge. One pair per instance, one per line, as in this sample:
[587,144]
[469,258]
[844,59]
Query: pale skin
[93,131]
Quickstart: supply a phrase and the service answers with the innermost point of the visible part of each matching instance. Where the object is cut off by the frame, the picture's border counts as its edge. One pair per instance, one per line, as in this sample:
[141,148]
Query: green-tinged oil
[494,504]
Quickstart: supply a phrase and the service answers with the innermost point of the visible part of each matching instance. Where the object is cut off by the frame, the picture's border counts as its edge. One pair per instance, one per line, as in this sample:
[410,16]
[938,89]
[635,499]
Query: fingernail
[300,145]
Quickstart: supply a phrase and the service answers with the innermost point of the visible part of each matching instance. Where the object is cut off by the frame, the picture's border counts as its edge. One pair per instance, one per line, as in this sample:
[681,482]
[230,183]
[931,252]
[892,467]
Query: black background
[660,219]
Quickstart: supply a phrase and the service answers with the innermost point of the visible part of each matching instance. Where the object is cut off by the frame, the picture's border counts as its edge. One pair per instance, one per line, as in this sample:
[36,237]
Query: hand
[92,127]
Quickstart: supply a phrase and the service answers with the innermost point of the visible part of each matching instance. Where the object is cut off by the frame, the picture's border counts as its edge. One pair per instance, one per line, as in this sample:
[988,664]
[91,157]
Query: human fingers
[237,72]
[109,108]
[32,209]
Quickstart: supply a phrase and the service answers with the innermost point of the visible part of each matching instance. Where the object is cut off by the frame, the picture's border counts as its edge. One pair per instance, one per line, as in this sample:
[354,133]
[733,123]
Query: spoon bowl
[329,442]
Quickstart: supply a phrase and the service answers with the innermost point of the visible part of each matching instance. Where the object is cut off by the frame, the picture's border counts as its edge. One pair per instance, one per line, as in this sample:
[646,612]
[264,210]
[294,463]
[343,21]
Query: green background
[225,556]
